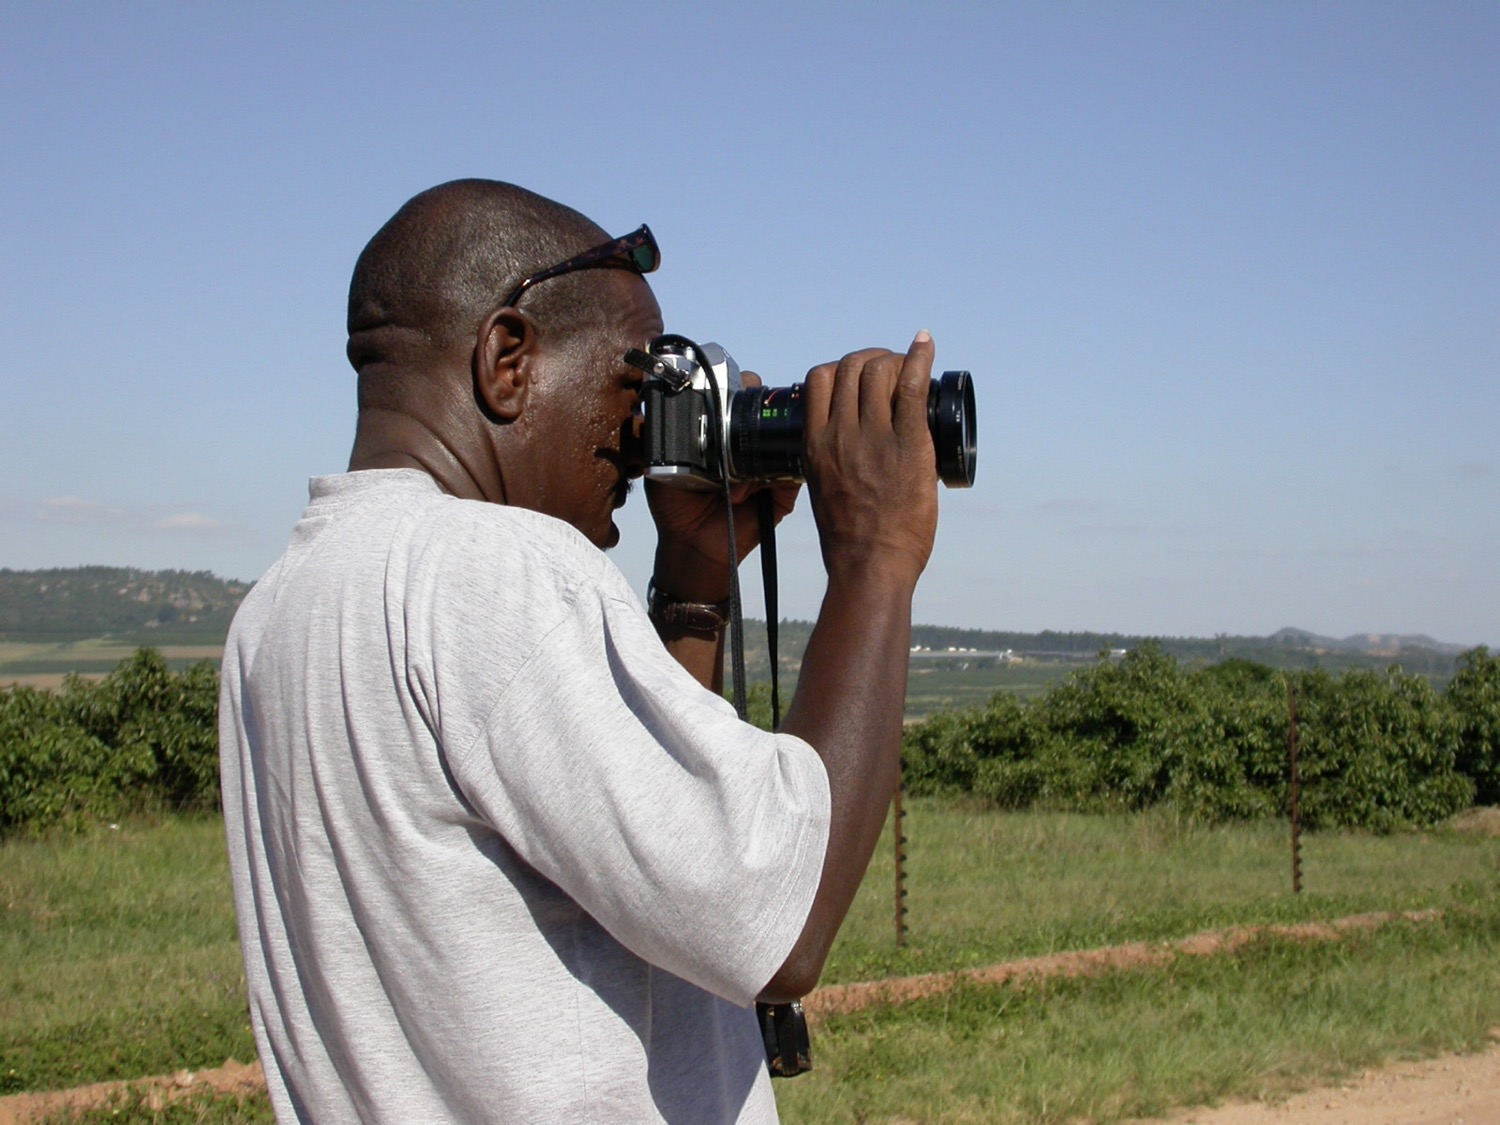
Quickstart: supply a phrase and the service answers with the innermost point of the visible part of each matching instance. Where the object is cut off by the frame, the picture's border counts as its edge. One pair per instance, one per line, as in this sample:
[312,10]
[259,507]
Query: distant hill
[147,607]
[160,607]
[1285,649]
[1372,644]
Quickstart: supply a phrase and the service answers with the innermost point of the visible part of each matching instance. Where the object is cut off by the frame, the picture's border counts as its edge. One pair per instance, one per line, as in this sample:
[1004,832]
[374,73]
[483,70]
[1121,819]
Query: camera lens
[765,433]
[766,424]
[950,417]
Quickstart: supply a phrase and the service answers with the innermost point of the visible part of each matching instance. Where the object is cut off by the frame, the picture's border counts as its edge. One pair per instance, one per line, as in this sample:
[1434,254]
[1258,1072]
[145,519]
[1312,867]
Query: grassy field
[43,665]
[985,886]
[1276,1016]
[118,956]
[118,960]
[931,689]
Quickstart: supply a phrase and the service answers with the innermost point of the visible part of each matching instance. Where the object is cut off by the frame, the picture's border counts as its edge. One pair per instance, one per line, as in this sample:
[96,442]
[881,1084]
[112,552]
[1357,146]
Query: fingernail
[923,337]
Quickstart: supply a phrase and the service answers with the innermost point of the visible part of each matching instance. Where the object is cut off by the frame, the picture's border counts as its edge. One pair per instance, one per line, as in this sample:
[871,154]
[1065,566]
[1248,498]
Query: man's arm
[684,577]
[873,482]
[872,479]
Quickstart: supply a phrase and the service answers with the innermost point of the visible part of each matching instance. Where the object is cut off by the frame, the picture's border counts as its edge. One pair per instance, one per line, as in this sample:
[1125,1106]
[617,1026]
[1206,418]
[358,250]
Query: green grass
[118,959]
[986,886]
[43,664]
[932,689]
[1275,1016]
[118,956]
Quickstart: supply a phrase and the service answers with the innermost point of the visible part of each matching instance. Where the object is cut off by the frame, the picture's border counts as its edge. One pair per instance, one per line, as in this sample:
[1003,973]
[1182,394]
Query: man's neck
[388,439]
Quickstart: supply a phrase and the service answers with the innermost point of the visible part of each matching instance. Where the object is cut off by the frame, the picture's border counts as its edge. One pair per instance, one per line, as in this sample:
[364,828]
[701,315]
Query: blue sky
[1227,275]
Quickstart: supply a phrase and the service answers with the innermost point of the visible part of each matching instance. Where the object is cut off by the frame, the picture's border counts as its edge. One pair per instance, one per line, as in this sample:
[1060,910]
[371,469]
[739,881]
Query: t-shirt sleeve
[695,839]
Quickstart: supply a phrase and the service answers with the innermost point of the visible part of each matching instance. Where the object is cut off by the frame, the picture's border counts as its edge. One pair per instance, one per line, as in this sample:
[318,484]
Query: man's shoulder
[407,506]
[485,533]
[389,547]
[466,551]
[392,533]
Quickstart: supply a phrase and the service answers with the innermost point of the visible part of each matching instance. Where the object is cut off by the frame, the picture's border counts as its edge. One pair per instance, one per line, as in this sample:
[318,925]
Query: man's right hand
[871,467]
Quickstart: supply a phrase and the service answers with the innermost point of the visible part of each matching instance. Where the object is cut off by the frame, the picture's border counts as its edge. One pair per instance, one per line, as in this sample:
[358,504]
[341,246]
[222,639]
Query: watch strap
[707,618]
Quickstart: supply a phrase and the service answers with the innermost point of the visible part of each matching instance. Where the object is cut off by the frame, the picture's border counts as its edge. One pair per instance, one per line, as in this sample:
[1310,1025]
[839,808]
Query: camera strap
[783,1027]
[766,513]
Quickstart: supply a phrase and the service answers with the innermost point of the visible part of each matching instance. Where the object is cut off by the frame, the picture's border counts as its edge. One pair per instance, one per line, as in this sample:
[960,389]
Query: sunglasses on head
[634,251]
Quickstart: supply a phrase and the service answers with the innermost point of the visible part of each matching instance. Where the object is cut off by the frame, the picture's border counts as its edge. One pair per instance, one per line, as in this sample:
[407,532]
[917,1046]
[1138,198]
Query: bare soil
[231,1078]
[837,999]
[1450,1090]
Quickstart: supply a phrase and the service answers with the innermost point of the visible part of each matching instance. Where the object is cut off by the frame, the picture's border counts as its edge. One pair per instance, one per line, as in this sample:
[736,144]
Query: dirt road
[1452,1090]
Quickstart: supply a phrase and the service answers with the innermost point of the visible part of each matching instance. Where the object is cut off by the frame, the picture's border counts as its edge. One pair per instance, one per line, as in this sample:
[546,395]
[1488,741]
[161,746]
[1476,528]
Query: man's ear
[504,355]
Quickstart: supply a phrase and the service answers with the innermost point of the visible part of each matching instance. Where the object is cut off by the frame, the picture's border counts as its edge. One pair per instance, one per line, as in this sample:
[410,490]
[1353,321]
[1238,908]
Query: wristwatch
[707,618]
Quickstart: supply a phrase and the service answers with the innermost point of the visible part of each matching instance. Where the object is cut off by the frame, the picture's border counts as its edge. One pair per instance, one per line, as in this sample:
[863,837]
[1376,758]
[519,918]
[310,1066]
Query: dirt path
[1455,1089]
[1451,1090]
[837,999]
[231,1078]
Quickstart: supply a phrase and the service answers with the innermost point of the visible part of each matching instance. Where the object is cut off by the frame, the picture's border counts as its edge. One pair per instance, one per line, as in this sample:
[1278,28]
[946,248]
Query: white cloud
[189,521]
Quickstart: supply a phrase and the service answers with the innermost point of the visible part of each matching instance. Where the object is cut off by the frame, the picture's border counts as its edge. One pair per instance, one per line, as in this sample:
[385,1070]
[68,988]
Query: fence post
[898,831]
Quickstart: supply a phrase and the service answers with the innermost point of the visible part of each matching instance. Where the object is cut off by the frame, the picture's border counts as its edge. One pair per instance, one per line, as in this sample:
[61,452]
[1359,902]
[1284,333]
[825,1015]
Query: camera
[701,423]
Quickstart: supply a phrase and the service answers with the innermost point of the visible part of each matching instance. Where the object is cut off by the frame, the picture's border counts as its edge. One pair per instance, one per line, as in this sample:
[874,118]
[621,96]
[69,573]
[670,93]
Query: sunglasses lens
[645,257]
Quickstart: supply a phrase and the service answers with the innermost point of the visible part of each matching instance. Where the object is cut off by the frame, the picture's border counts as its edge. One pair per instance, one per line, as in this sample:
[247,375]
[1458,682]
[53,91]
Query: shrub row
[1375,751]
[143,738]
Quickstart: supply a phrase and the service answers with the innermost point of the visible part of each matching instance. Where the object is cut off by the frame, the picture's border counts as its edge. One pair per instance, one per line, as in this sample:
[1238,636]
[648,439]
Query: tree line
[142,739]
[1378,751]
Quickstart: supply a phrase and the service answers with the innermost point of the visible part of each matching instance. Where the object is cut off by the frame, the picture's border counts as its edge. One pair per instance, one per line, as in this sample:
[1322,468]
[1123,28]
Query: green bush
[1474,696]
[1115,733]
[1376,752]
[1232,760]
[143,737]
[50,769]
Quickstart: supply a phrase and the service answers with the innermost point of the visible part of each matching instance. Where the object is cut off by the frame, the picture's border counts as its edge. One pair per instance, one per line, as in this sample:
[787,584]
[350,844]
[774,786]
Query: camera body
[687,401]
[702,425]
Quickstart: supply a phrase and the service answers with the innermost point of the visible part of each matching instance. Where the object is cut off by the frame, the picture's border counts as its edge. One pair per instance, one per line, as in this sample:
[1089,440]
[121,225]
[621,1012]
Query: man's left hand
[692,545]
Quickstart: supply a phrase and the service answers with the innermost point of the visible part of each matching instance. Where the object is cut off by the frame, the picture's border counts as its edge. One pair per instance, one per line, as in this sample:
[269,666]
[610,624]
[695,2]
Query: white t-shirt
[496,856]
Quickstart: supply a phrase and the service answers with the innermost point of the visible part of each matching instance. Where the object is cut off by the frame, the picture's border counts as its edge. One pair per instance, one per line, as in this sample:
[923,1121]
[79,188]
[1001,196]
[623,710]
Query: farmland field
[930,689]
[44,664]
[118,960]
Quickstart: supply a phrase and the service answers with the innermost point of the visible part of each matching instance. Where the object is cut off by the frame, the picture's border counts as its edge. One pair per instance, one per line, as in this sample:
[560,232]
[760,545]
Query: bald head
[449,256]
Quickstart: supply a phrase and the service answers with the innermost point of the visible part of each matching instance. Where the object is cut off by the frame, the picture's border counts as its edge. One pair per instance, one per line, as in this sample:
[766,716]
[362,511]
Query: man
[500,850]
